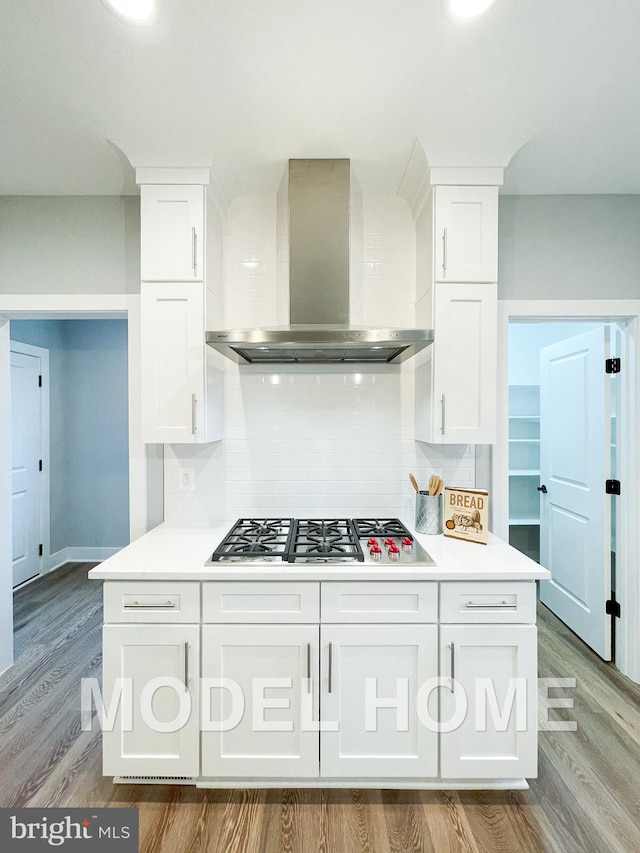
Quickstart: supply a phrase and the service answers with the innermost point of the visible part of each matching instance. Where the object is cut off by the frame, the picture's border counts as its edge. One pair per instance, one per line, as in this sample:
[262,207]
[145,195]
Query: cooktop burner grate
[320,539]
[256,537]
[366,527]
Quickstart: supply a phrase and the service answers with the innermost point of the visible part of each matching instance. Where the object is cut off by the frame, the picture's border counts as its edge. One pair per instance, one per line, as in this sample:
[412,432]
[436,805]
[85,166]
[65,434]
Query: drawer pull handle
[472,605]
[150,606]
[308,667]
[330,666]
[186,667]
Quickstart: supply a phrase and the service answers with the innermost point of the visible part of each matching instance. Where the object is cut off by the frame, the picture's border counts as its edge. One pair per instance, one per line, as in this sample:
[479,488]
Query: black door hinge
[612,607]
[612,365]
[40,381]
[612,487]
[40,550]
[40,465]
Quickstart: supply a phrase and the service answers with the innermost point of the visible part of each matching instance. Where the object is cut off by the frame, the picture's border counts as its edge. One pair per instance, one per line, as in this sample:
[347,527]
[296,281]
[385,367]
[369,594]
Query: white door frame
[71,306]
[45,447]
[627,312]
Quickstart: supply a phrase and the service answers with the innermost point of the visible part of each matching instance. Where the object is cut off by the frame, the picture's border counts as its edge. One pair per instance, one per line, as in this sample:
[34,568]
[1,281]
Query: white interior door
[574,464]
[26,445]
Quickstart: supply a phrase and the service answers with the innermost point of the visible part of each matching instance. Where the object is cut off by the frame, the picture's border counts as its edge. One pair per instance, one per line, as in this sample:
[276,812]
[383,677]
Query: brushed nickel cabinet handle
[472,605]
[186,666]
[444,251]
[330,667]
[308,667]
[443,403]
[452,648]
[149,605]
[194,251]
[194,406]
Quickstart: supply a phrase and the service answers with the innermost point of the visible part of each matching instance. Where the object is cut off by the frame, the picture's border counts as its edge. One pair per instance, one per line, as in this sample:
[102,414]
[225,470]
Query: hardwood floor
[585,799]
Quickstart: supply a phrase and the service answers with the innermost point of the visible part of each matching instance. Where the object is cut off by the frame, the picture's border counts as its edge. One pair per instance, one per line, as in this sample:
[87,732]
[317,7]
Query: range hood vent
[319,256]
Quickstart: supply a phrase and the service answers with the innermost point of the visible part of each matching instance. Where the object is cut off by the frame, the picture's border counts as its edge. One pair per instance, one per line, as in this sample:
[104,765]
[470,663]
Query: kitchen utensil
[437,486]
[414,482]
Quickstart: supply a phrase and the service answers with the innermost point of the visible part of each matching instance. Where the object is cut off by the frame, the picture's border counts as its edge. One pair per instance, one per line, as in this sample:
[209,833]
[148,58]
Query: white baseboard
[77,554]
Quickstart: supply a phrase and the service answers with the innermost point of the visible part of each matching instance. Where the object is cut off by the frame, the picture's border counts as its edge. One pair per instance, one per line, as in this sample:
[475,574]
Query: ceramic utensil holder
[428,513]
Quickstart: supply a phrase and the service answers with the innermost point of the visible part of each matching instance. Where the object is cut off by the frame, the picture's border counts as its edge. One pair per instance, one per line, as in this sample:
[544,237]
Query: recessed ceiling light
[135,11]
[467,8]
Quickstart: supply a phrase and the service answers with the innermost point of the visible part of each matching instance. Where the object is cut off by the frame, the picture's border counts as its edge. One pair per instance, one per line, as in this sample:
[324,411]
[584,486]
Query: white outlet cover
[187,479]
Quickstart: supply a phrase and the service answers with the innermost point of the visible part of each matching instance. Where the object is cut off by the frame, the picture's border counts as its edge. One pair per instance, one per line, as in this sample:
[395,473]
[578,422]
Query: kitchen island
[342,674]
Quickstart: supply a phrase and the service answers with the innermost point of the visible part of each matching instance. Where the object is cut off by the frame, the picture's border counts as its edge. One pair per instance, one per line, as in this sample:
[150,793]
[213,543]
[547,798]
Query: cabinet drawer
[491,601]
[151,601]
[380,602]
[249,601]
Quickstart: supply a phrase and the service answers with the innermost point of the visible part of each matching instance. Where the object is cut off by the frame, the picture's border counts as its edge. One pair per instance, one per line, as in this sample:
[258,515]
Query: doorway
[561,455]
[626,313]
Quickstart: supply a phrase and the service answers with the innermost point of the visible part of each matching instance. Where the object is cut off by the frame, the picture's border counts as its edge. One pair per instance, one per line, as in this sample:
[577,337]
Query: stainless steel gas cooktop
[321,540]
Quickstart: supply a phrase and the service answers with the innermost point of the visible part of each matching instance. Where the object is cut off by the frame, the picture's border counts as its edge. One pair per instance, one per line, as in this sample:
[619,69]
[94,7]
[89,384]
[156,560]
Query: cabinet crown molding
[172,175]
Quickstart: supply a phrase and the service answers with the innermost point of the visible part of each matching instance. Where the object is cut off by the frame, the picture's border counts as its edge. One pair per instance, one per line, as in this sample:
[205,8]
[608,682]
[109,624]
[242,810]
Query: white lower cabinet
[489,701]
[155,731]
[260,690]
[295,692]
[371,677]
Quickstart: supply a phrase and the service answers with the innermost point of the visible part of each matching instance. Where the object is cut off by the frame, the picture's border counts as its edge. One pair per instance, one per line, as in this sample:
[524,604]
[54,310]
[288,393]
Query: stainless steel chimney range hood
[319,257]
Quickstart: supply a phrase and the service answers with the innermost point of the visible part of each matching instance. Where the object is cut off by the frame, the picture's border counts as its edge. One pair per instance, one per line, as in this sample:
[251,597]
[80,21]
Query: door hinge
[612,607]
[40,381]
[40,550]
[612,365]
[40,465]
[612,487]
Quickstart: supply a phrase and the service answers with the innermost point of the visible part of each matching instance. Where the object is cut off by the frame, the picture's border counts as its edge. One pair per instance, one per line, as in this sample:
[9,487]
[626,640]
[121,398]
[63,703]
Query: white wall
[308,440]
[569,247]
[69,244]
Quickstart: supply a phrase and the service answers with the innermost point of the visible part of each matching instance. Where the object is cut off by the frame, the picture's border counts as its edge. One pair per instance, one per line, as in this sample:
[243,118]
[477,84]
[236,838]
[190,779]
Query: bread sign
[466,514]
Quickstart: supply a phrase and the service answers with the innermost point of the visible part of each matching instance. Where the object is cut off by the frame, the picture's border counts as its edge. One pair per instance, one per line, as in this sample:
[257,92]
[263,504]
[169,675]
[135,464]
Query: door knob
[542,489]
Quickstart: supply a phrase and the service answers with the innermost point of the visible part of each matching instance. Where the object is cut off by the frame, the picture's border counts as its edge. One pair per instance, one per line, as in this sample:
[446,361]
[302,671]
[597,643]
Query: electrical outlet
[187,479]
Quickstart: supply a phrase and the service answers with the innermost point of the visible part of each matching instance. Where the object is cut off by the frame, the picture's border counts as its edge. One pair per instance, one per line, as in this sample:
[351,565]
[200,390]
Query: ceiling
[550,87]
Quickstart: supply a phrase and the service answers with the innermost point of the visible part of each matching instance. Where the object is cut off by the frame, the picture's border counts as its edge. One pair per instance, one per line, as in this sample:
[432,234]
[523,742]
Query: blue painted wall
[89,428]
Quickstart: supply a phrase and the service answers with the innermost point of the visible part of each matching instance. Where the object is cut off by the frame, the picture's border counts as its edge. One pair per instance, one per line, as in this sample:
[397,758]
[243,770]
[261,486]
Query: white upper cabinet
[465,233]
[172,232]
[456,382]
[181,386]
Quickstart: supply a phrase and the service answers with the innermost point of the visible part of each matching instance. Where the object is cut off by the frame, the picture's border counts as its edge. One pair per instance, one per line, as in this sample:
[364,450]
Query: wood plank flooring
[586,799]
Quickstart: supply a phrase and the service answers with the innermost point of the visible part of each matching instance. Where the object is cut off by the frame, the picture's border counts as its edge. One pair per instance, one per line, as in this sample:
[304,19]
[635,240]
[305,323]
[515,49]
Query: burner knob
[407,544]
[394,552]
[389,541]
[376,554]
[372,541]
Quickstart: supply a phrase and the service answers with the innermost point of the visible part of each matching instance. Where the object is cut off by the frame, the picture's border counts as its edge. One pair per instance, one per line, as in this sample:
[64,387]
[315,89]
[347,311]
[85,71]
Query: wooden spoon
[414,482]
[433,482]
[438,486]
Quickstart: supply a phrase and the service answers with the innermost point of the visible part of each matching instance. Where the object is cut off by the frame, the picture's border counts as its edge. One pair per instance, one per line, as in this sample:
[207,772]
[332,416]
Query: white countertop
[179,553]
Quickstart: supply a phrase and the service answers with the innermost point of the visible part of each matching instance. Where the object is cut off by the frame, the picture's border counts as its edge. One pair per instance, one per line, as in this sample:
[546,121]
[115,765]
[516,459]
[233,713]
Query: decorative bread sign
[466,514]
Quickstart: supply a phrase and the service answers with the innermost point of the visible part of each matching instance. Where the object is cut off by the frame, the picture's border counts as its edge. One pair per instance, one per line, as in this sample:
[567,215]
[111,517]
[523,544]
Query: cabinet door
[172,232]
[164,735]
[466,233]
[456,385]
[494,668]
[271,672]
[172,362]
[370,680]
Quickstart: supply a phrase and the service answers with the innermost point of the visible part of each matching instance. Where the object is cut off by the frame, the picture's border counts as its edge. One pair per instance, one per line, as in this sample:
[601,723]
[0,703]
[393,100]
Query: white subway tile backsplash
[313,440]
